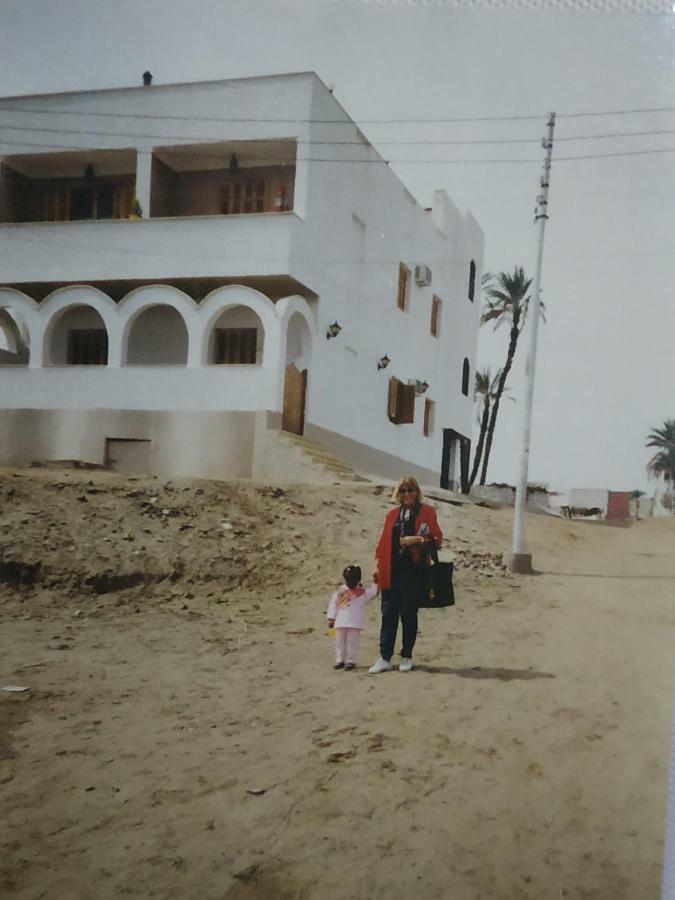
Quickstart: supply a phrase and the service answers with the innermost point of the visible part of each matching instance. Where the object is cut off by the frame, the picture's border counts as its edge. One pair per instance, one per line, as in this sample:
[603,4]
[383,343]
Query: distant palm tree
[485,387]
[662,464]
[507,301]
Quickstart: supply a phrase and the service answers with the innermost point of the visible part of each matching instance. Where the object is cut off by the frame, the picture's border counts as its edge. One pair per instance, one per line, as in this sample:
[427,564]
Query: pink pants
[347,644]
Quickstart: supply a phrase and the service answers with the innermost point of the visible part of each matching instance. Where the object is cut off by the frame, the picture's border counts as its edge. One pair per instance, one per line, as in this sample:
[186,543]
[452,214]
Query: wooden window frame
[428,425]
[235,346]
[403,293]
[401,402]
[436,305]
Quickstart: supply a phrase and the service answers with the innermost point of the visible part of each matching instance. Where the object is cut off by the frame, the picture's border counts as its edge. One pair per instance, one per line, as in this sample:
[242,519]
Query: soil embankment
[184,733]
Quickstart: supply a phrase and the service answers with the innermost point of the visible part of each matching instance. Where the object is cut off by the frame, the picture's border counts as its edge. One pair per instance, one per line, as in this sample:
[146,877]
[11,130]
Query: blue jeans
[399,601]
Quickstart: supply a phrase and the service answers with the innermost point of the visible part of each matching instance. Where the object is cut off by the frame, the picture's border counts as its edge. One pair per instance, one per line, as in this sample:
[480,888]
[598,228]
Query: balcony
[221,210]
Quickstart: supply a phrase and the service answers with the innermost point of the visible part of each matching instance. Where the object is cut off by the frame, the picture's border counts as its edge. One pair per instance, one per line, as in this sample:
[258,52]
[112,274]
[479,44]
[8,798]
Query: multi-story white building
[173,259]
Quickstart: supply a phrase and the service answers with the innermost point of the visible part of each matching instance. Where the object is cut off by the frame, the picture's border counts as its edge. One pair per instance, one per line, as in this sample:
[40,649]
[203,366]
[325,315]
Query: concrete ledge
[520,563]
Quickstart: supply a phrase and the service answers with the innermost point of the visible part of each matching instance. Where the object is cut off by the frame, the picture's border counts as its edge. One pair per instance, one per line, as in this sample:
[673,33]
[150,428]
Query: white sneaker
[406,665]
[381,665]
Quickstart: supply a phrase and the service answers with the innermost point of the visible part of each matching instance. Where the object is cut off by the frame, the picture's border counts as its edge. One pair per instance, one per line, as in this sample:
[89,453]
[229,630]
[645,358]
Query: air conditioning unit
[422,275]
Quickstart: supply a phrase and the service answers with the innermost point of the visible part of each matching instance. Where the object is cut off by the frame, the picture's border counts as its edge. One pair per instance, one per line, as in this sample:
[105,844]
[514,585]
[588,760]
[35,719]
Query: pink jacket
[348,605]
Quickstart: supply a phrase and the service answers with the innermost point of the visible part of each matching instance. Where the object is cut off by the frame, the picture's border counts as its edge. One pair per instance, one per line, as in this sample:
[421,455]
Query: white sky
[605,368]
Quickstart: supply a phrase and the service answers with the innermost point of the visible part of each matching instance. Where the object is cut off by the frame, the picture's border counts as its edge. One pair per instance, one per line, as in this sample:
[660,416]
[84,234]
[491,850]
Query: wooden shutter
[401,402]
[403,280]
[428,413]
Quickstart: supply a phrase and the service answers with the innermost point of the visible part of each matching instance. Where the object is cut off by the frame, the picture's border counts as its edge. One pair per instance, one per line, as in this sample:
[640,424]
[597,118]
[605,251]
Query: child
[346,613]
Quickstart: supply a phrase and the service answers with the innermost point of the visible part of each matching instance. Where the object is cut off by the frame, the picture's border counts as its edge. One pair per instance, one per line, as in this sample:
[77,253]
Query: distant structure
[614,506]
[240,265]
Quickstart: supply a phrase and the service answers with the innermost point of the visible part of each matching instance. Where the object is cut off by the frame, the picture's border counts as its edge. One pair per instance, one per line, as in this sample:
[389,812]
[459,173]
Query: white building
[185,340]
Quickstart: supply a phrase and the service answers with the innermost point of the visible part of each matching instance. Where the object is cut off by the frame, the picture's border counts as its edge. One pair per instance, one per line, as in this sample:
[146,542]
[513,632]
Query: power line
[427,142]
[344,121]
[380,161]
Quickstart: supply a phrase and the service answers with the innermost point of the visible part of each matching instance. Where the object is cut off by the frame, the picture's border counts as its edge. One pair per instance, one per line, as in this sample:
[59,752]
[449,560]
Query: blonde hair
[407,481]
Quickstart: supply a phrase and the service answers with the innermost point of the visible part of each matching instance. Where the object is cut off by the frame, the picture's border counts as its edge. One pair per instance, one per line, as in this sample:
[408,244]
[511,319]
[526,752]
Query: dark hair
[352,576]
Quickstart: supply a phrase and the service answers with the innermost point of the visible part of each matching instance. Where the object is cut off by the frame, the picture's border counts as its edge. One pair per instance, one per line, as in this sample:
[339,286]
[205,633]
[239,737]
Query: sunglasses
[407,491]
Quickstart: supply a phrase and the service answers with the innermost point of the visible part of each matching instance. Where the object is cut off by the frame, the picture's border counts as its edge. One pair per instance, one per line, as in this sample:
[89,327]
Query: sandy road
[525,757]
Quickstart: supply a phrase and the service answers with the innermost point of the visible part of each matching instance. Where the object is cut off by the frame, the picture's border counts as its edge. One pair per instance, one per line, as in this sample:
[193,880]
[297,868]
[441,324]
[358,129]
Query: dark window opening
[465,378]
[87,347]
[235,346]
[472,280]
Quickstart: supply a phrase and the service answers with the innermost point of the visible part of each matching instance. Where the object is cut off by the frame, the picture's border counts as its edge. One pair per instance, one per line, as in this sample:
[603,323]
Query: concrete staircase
[321,459]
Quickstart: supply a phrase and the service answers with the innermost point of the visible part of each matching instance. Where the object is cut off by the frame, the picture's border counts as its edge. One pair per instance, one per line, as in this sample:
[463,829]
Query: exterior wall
[375,221]
[353,223]
[618,505]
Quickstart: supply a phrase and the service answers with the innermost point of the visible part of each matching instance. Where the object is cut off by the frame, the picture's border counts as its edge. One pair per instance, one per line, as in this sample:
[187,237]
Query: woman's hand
[411,540]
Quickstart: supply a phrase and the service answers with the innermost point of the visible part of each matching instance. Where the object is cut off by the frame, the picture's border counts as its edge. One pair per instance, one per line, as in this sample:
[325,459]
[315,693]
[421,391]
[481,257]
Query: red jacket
[383,551]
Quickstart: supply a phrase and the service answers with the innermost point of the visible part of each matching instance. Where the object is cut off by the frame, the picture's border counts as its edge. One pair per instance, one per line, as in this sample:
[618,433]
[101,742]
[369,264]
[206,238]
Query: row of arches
[152,325]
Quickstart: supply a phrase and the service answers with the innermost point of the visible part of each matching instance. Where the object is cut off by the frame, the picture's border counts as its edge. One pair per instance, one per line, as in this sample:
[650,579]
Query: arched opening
[14,340]
[158,337]
[465,377]
[236,338]
[298,347]
[78,338]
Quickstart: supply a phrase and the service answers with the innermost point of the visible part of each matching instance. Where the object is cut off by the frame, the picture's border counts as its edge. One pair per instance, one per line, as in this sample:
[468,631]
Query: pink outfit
[347,644]
[348,605]
[348,608]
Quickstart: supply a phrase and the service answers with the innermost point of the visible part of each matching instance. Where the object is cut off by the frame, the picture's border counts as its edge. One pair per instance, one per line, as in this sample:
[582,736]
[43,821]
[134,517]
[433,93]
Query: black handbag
[437,589]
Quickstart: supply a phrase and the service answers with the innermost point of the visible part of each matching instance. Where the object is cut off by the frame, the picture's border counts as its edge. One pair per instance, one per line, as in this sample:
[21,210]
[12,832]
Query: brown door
[295,389]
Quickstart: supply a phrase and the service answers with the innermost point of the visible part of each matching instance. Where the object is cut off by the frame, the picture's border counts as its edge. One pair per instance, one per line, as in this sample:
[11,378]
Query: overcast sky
[606,366]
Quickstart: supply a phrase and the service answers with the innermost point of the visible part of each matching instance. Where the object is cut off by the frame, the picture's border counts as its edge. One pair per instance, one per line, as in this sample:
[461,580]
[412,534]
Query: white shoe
[406,665]
[381,665]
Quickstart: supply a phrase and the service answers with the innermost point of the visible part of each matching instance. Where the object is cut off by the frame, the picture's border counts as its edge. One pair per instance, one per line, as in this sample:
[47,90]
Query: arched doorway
[77,337]
[236,338]
[157,337]
[298,343]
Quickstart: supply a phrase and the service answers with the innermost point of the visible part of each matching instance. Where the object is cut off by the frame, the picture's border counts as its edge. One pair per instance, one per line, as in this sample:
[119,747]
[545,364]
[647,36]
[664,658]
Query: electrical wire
[344,121]
[428,142]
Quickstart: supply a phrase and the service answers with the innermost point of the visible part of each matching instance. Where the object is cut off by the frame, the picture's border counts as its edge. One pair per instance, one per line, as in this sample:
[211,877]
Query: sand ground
[184,734]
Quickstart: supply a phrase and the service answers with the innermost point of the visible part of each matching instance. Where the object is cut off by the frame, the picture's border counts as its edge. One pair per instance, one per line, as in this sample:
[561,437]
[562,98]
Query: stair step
[320,456]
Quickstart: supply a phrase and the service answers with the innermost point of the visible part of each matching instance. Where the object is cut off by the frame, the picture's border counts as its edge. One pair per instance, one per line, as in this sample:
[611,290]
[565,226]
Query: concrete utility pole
[521,561]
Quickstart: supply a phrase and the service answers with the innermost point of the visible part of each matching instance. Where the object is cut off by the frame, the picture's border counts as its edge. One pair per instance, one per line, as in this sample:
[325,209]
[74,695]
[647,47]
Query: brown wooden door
[295,390]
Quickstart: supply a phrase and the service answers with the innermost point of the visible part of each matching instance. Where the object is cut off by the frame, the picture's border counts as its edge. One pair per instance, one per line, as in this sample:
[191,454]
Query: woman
[409,533]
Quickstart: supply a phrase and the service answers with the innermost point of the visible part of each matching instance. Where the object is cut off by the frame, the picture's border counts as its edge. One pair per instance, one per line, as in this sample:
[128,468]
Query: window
[465,378]
[77,204]
[401,402]
[403,287]
[235,346]
[87,347]
[472,279]
[243,197]
[428,417]
[435,316]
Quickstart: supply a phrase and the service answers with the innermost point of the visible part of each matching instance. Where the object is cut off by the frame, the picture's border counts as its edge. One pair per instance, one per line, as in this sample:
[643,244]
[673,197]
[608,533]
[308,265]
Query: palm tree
[485,387]
[507,301]
[662,464]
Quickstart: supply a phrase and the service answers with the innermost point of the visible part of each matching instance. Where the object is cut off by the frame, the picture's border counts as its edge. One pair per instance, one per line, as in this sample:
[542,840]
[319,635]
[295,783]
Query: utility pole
[521,561]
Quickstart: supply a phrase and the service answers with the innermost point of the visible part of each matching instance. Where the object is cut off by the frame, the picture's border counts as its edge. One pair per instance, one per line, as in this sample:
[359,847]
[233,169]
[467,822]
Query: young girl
[346,612]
